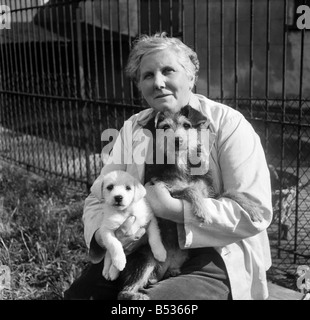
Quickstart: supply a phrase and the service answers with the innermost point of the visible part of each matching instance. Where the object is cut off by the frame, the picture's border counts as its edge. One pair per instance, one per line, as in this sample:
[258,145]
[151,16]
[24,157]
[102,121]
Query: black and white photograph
[154,150]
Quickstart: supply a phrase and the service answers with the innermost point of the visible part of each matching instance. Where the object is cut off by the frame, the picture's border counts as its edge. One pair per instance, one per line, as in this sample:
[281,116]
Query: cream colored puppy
[123,196]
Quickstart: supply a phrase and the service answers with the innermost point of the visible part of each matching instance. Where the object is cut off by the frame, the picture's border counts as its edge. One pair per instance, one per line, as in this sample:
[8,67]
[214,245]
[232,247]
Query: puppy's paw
[113,273]
[160,253]
[119,262]
[105,274]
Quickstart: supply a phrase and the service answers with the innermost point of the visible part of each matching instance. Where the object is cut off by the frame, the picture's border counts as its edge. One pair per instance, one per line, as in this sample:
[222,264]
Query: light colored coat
[237,161]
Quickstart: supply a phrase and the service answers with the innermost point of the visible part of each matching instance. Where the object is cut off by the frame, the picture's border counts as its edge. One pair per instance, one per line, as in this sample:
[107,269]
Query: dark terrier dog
[176,145]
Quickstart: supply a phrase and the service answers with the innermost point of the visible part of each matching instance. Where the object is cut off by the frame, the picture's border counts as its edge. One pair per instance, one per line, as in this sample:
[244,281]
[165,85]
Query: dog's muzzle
[178,142]
[118,200]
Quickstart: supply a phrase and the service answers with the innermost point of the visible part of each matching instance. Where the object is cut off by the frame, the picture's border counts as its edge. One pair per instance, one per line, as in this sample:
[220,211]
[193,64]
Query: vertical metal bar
[88,86]
[16,87]
[61,90]
[39,80]
[183,22]
[251,58]
[236,87]
[112,51]
[4,104]
[222,53]
[284,39]
[13,98]
[171,17]
[20,86]
[74,105]
[26,105]
[67,81]
[112,64]
[33,106]
[149,16]
[129,47]
[208,47]
[195,31]
[104,71]
[95,96]
[300,102]
[160,15]
[7,74]
[96,84]
[88,113]
[139,17]
[83,92]
[76,70]
[195,25]
[121,58]
[10,99]
[47,111]
[86,92]
[267,77]
[52,102]
[120,52]
[95,93]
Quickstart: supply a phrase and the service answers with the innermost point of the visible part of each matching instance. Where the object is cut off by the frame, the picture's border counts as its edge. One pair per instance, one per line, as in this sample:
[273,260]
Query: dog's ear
[140,191]
[97,189]
[196,117]
[185,111]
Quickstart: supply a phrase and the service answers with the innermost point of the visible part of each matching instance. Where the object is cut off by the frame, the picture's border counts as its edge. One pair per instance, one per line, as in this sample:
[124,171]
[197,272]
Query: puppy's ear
[140,191]
[97,189]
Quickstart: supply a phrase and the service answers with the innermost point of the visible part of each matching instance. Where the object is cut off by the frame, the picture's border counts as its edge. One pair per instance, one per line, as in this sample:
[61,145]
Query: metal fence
[62,83]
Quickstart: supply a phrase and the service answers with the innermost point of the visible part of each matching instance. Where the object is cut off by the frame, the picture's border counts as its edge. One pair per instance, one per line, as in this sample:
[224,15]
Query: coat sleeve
[243,168]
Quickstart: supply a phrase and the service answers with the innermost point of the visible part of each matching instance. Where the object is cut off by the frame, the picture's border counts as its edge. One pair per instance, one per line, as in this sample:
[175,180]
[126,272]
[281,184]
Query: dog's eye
[128,188]
[166,127]
[110,187]
[186,126]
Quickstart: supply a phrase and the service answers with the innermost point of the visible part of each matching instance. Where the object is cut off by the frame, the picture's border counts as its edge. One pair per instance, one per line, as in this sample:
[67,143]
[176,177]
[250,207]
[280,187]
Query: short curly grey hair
[147,44]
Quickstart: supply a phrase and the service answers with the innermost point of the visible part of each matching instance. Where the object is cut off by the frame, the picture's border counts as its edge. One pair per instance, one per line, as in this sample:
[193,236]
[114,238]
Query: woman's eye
[167,70]
[147,76]
[110,187]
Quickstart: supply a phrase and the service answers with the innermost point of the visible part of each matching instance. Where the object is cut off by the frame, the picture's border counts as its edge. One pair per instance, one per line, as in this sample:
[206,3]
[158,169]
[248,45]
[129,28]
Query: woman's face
[164,83]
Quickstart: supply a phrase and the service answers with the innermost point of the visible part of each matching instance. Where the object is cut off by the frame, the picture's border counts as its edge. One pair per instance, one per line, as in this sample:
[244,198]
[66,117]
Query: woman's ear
[140,191]
[192,82]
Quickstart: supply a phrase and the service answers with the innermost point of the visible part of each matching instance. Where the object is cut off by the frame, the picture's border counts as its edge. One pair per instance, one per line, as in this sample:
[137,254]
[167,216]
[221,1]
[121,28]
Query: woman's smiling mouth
[162,96]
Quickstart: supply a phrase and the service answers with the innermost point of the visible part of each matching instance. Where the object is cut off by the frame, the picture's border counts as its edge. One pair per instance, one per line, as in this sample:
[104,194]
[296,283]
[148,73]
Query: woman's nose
[159,81]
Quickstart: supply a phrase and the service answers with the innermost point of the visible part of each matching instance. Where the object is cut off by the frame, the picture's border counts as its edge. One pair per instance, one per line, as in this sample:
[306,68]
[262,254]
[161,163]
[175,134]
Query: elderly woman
[229,256]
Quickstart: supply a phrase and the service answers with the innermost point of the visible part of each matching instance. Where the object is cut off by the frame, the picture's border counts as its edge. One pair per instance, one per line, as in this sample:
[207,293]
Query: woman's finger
[126,229]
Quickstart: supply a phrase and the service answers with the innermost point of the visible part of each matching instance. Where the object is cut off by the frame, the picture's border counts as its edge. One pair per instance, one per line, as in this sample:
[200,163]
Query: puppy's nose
[118,198]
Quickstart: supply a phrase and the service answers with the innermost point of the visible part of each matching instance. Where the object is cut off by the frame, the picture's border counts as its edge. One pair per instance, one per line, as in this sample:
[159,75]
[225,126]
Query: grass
[41,235]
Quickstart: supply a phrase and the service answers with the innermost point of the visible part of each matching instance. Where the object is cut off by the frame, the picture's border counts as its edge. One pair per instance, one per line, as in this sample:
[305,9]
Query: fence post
[83,103]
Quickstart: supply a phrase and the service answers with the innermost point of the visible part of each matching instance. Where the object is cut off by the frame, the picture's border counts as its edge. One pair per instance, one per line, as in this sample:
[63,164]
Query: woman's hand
[162,203]
[129,234]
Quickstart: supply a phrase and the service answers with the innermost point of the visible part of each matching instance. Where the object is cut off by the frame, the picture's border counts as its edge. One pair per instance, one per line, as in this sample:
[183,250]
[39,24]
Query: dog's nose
[178,141]
[118,199]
